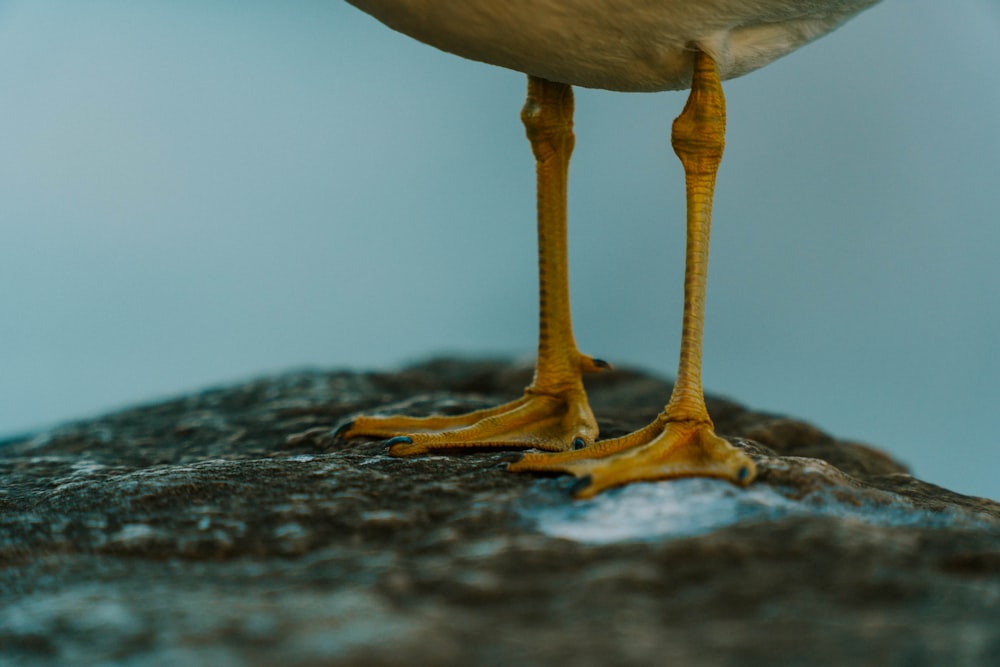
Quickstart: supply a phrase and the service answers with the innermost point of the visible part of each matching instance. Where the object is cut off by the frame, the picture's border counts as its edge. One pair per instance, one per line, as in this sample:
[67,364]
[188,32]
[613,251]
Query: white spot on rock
[689,507]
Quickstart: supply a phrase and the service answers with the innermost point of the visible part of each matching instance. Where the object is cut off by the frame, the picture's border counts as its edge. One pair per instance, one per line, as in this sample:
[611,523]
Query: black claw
[398,440]
[579,443]
[580,484]
[343,428]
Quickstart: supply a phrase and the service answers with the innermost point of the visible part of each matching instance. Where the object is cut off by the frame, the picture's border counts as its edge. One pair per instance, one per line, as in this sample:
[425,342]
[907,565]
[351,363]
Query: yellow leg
[553,414]
[681,442]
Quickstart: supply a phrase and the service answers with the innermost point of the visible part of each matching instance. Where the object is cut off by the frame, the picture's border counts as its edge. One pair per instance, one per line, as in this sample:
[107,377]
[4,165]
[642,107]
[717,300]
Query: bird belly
[629,45]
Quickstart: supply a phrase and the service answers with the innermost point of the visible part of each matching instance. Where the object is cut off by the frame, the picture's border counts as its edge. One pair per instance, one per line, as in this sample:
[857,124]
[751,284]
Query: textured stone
[197,531]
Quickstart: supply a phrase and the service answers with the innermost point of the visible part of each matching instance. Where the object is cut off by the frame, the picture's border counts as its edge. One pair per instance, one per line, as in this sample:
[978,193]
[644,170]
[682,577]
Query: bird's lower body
[553,416]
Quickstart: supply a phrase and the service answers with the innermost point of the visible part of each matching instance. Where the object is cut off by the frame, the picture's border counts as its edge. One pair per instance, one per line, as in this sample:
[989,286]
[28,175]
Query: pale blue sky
[194,193]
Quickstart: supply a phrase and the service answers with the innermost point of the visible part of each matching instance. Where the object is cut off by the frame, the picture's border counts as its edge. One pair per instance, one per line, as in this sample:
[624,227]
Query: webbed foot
[552,419]
[663,450]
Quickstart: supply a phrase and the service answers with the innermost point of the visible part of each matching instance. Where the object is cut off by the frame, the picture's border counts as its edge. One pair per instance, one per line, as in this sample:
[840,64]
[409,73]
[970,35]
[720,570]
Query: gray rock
[197,532]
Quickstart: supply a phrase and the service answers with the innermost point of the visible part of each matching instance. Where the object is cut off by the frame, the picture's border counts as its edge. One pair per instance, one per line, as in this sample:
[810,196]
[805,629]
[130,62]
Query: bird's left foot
[663,450]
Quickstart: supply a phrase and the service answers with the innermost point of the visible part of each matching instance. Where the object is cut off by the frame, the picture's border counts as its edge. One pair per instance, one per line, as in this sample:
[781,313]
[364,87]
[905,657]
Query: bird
[617,45]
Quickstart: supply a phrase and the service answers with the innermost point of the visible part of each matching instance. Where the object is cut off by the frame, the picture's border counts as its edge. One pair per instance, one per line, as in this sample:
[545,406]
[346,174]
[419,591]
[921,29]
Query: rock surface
[197,532]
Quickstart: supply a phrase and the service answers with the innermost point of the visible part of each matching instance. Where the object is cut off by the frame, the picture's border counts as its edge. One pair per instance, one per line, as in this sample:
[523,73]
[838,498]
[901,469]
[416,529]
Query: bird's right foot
[551,421]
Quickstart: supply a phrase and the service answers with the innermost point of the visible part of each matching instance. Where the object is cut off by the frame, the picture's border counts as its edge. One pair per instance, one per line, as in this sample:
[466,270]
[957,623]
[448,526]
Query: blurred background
[196,193]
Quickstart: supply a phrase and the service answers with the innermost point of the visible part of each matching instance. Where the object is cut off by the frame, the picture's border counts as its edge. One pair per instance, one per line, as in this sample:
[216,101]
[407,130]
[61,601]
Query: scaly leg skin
[553,414]
[681,442]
